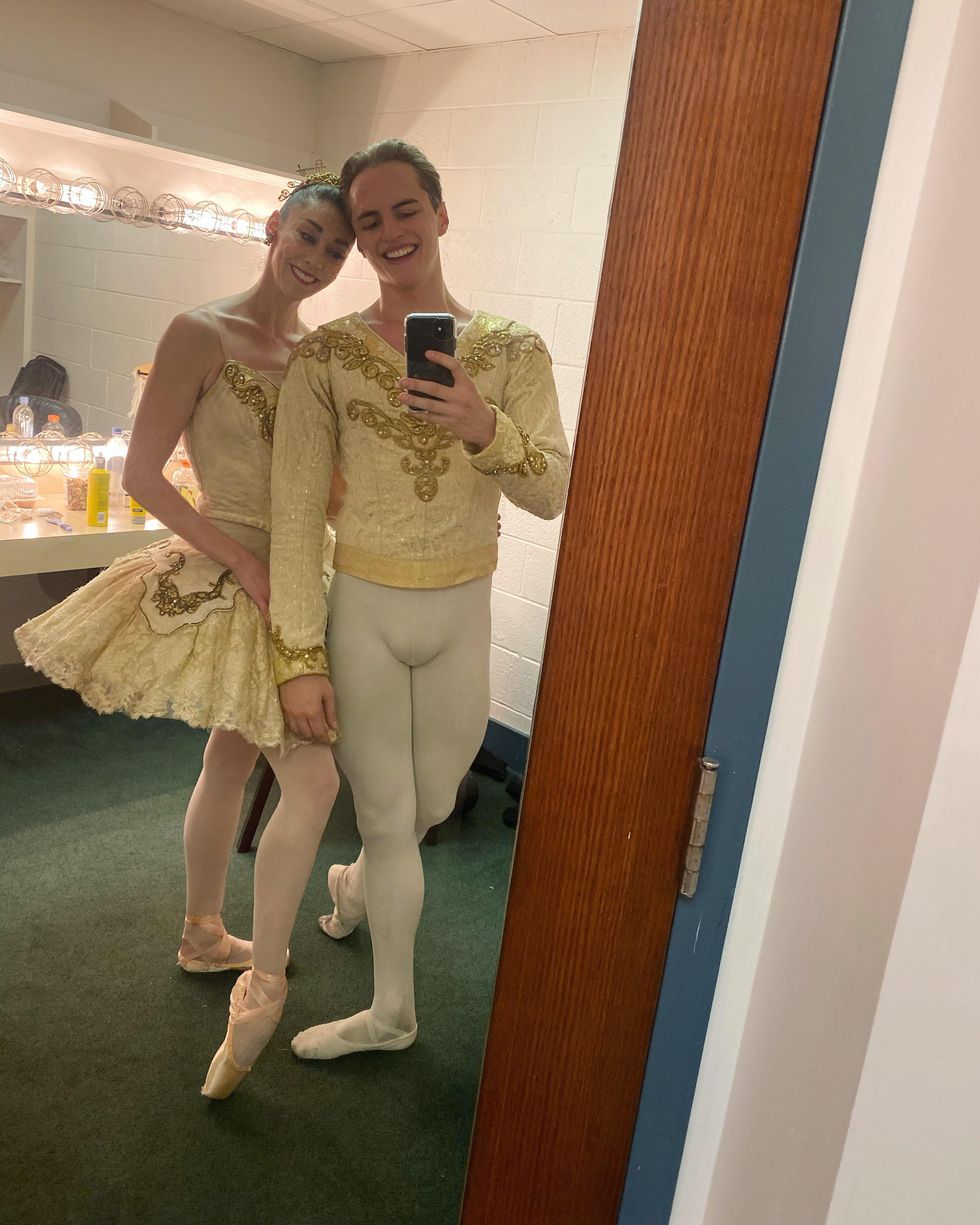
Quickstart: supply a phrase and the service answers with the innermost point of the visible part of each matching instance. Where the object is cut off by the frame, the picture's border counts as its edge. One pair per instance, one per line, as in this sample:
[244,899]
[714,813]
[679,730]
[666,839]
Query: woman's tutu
[164,632]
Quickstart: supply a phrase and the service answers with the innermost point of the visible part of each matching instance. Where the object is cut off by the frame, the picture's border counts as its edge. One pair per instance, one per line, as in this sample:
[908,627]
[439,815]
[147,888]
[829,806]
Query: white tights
[308,786]
[411,674]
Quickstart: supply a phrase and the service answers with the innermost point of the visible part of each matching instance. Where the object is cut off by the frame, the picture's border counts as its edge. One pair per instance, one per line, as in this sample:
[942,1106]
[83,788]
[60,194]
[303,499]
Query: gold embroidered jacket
[420,508]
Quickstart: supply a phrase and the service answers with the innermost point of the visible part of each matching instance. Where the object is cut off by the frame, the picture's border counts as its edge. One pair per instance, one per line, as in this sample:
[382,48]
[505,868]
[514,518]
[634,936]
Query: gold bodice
[229,443]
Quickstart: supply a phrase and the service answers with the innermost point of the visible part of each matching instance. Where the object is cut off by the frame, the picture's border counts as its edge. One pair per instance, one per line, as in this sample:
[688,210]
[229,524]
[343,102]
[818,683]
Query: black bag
[42,376]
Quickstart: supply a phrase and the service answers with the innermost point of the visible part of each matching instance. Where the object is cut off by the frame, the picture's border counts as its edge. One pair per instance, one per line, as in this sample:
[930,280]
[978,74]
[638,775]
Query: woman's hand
[460,408]
[253,578]
[309,707]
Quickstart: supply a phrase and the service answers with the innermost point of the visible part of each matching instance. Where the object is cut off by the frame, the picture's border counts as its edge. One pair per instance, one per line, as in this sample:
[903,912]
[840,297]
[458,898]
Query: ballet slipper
[226,1073]
[228,953]
[325,1041]
[347,912]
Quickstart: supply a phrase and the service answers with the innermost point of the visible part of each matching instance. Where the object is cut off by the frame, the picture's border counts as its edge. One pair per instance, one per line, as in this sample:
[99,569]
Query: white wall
[883,605]
[209,90]
[105,292]
[527,137]
[910,1155]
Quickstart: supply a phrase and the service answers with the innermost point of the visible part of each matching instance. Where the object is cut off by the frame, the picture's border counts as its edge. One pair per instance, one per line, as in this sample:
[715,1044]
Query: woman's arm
[187,357]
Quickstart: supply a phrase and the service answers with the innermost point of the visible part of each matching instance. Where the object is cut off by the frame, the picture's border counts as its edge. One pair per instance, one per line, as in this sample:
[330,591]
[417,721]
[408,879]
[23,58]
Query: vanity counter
[39,547]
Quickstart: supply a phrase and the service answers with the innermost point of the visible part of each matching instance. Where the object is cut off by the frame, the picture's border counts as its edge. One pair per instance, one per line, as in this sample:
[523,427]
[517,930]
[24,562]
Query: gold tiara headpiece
[309,176]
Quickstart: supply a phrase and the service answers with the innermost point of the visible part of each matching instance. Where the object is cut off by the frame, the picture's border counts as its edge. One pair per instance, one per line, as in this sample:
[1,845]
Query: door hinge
[699,826]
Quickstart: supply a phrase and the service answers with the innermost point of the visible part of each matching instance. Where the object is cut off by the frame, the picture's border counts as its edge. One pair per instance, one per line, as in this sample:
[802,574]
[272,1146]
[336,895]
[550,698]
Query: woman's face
[397,228]
[309,246]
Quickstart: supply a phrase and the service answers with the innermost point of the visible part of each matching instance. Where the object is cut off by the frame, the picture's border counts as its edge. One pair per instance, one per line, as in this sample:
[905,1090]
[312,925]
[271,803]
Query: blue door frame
[858,106]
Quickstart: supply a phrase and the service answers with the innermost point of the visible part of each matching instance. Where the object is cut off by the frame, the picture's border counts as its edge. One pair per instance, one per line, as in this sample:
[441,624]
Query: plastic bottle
[54,428]
[115,461]
[23,418]
[137,513]
[185,482]
[97,503]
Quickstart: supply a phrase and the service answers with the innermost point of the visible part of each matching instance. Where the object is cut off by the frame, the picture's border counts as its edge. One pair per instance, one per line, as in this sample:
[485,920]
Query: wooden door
[721,124]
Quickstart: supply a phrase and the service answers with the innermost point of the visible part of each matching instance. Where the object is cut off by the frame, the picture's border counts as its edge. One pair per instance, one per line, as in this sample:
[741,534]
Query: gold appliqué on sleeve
[499,338]
[422,438]
[253,396]
[534,462]
[314,658]
[169,601]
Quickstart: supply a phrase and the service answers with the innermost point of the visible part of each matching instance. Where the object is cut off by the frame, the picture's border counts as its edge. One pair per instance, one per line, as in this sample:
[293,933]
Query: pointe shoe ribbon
[347,913]
[225,1073]
[216,959]
[324,1041]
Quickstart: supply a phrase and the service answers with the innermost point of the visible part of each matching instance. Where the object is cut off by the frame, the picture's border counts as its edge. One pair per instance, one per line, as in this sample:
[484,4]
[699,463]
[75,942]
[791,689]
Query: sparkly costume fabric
[421,508]
[166,631]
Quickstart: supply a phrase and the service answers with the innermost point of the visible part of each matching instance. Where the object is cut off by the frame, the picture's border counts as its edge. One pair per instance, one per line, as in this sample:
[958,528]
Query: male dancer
[409,626]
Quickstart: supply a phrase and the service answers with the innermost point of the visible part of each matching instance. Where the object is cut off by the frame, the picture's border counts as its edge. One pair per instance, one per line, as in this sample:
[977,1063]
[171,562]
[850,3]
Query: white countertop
[38,547]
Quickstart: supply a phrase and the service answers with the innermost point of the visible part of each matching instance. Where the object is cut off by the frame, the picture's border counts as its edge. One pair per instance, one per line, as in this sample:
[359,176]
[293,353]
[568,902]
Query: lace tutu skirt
[166,632]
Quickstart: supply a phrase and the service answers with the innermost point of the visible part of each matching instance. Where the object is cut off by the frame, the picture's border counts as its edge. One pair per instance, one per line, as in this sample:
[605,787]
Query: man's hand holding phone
[460,408]
[309,707]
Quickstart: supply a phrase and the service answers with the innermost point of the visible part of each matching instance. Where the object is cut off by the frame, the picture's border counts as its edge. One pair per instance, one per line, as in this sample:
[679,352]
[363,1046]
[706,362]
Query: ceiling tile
[454,23]
[357,8]
[245,16]
[330,41]
[577,16]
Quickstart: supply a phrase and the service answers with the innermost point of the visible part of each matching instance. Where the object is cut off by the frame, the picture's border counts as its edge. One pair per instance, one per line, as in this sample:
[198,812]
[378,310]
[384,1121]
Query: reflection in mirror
[525,136]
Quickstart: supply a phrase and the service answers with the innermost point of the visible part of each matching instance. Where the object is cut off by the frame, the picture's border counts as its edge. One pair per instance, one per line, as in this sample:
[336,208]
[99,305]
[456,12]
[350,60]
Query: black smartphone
[424,332]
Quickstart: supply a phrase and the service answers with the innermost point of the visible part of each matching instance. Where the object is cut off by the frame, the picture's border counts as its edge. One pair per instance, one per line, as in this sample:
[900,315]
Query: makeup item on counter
[185,482]
[77,459]
[76,492]
[22,418]
[23,492]
[18,496]
[137,513]
[115,461]
[97,505]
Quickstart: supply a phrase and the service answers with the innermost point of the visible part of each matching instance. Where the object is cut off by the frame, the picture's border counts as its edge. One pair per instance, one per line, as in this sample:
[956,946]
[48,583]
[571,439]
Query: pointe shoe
[225,1073]
[324,1042]
[218,957]
[347,914]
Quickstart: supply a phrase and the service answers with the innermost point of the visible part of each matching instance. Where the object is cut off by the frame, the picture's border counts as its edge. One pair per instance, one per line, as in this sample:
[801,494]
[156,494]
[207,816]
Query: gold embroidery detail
[313,658]
[512,339]
[252,395]
[353,354]
[422,438]
[534,461]
[169,601]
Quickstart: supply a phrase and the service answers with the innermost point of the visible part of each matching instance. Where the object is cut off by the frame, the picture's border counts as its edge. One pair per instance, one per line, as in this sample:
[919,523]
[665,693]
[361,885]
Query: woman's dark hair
[392,150]
[313,193]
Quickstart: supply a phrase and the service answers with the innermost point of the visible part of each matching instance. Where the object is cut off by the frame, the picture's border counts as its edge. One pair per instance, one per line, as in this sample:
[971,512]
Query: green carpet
[106,1042]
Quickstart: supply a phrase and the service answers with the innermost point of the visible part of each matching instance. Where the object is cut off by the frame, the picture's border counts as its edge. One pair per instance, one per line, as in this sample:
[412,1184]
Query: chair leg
[467,795]
[257,809]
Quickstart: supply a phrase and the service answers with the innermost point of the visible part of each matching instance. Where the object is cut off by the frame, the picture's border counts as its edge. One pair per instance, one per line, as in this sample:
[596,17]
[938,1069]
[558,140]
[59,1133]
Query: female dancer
[179,629]
[409,628]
